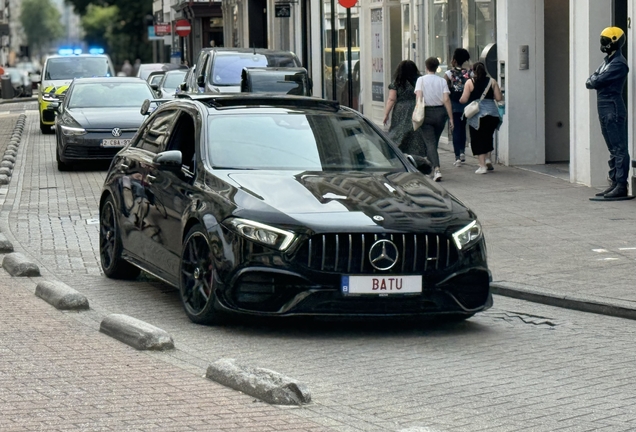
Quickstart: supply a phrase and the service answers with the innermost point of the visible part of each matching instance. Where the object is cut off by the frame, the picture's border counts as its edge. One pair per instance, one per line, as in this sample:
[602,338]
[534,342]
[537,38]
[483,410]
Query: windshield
[308,142]
[227,68]
[173,80]
[112,94]
[76,67]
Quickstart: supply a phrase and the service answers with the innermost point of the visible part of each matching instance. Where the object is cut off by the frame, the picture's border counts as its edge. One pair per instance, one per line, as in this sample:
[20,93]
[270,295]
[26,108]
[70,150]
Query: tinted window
[156,132]
[227,68]
[109,94]
[312,142]
[279,82]
[76,67]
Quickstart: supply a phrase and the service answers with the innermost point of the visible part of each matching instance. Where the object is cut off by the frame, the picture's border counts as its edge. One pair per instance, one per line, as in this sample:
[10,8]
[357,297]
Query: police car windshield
[76,67]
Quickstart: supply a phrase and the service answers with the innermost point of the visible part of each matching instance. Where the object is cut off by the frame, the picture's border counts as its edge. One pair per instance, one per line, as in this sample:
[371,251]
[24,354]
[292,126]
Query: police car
[57,74]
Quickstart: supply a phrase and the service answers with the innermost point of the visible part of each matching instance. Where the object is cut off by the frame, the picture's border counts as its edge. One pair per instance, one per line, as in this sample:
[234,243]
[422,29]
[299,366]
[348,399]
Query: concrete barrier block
[9,158]
[5,245]
[4,179]
[16,264]
[6,171]
[263,384]
[6,164]
[12,147]
[136,333]
[10,152]
[61,296]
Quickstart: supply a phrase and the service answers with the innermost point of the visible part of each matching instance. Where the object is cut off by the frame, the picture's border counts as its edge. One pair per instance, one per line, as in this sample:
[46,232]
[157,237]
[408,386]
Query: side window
[183,139]
[156,132]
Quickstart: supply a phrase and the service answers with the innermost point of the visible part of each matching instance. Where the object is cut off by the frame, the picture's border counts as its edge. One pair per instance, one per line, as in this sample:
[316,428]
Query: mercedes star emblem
[383,254]
[378,218]
[116,132]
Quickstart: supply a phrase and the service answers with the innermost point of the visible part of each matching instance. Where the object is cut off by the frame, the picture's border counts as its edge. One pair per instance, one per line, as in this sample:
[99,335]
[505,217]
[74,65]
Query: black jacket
[609,78]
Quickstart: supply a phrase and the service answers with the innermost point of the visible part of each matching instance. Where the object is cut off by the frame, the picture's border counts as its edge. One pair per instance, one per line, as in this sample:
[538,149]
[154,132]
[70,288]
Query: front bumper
[88,146]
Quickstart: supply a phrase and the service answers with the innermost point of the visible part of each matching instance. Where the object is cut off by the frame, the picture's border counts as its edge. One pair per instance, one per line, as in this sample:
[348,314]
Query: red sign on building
[347,3]
[163,29]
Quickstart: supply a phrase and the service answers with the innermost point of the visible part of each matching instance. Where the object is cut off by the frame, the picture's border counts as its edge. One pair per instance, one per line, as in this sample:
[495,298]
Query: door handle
[150,179]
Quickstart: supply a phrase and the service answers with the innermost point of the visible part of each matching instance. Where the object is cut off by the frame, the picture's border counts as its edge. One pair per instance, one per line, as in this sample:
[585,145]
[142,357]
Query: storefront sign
[163,29]
[377,59]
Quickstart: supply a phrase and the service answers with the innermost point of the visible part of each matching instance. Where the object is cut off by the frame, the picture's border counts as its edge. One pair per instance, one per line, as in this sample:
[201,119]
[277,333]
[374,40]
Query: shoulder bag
[472,109]
[418,113]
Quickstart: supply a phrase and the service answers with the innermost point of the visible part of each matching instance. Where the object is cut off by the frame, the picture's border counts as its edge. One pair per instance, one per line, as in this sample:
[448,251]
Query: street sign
[347,3]
[182,27]
[163,29]
[151,34]
[282,10]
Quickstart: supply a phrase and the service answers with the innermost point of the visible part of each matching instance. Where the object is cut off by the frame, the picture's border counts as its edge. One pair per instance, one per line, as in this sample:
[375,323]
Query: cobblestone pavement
[517,367]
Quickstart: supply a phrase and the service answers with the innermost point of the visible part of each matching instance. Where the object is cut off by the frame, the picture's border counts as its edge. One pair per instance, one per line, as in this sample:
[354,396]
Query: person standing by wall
[482,126]
[608,81]
[435,92]
[127,68]
[400,107]
[456,78]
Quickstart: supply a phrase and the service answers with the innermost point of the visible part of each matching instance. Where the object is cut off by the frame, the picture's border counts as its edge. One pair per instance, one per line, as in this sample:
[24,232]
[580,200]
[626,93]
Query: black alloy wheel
[196,278]
[110,247]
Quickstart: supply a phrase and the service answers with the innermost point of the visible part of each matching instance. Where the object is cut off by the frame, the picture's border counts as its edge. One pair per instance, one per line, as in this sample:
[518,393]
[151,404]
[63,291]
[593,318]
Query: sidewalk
[546,241]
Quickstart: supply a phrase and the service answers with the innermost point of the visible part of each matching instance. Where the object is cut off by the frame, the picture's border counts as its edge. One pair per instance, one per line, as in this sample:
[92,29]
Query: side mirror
[422,164]
[170,160]
[155,87]
[201,81]
[183,86]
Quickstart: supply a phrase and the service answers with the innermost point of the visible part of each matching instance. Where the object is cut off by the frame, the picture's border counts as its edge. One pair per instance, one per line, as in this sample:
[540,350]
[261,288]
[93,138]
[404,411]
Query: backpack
[457,80]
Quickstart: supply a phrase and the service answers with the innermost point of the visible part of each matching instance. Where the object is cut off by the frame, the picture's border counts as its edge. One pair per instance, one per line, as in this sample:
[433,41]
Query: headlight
[49,97]
[264,234]
[70,131]
[467,236]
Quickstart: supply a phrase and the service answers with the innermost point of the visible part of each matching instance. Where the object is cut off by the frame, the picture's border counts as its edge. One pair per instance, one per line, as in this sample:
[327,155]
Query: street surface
[517,367]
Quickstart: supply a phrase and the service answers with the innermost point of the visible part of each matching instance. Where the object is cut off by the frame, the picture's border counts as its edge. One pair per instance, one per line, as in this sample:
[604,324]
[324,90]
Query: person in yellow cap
[608,81]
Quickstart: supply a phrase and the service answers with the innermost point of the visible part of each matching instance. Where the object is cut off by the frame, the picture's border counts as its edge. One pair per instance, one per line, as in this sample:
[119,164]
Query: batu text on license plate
[114,142]
[381,285]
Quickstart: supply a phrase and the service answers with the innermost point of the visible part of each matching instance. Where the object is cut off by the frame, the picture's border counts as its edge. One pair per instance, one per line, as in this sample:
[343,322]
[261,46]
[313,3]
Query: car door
[170,192]
[152,141]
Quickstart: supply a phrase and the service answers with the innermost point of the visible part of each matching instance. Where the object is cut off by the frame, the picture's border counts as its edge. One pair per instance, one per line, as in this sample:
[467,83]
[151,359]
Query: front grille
[90,152]
[48,115]
[349,253]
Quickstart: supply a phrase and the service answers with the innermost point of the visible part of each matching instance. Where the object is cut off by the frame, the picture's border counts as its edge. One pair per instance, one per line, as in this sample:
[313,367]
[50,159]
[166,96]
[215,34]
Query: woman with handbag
[481,93]
[434,91]
[400,105]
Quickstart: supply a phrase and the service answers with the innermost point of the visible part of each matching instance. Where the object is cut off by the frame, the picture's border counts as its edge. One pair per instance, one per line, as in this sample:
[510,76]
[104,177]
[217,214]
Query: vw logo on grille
[383,254]
[116,132]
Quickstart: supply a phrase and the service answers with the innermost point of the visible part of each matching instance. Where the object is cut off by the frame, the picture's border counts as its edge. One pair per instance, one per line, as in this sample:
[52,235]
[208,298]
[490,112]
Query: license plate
[114,142]
[381,285]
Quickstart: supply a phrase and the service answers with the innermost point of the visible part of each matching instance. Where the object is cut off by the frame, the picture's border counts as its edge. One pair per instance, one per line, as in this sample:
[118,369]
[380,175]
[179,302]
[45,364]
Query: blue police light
[77,51]
[96,50]
[65,51]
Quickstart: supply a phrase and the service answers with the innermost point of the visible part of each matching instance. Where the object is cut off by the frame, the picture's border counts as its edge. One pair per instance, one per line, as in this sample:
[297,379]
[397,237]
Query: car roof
[261,100]
[54,56]
[223,50]
[109,79]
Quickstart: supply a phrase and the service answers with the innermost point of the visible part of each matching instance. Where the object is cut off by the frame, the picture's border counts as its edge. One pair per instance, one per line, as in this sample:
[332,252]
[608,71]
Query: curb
[16,264]
[136,333]
[18,100]
[61,296]
[615,308]
[263,384]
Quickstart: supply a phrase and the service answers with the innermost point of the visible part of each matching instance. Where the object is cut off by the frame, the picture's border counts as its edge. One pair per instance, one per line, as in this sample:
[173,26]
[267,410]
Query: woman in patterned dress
[400,107]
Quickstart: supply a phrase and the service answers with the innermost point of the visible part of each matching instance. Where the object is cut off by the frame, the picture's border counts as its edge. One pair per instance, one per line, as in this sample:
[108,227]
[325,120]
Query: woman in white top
[435,91]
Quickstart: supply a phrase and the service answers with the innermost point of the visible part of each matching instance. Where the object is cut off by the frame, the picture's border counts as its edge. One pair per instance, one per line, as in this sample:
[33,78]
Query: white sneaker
[438,176]
[489,165]
[462,157]
[457,163]
[481,170]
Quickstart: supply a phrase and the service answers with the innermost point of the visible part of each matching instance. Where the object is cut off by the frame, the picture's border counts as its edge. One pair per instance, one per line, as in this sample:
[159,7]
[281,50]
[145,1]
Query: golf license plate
[115,142]
[381,285]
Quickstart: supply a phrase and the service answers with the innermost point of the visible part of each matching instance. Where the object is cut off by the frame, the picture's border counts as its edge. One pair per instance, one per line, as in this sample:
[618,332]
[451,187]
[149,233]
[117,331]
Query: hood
[107,118]
[406,200]
[50,85]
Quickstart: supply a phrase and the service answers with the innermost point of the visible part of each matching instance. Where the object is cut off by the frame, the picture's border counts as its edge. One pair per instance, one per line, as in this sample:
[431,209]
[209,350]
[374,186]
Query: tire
[110,247]
[46,129]
[196,278]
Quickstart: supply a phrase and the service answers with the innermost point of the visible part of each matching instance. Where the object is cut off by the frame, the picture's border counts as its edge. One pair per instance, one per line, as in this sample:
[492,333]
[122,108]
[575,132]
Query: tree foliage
[123,30]
[41,22]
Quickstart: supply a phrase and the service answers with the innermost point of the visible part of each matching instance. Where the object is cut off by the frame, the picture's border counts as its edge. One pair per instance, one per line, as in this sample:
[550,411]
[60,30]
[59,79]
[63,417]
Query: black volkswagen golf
[281,205]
